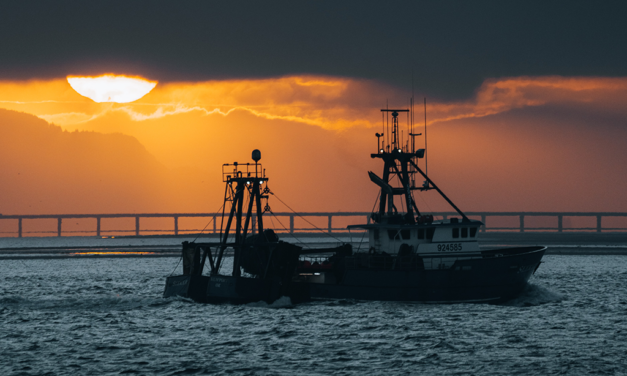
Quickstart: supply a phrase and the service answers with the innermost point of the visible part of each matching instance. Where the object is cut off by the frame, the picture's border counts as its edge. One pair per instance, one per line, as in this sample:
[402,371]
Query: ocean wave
[534,295]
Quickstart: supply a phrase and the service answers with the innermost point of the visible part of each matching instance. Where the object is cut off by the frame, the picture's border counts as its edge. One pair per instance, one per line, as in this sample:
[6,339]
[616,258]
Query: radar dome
[256,155]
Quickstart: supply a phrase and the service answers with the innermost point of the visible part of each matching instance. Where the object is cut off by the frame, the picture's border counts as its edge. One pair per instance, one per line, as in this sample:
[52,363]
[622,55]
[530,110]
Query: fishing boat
[412,256]
[261,266]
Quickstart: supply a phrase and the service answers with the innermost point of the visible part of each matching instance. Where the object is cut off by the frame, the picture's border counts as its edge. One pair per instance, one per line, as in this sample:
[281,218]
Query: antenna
[411,107]
[387,123]
[413,138]
[411,123]
[383,131]
[427,158]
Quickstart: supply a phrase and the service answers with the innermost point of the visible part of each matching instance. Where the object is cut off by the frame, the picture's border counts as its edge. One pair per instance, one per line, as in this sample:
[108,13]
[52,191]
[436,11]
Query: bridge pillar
[292,224]
[19,227]
[97,226]
[330,224]
[599,225]
[176,225]
[522,223]
[136,226]
[59,220]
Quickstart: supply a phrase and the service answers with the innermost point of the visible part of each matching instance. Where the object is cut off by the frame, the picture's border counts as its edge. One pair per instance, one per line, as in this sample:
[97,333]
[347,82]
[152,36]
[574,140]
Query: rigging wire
[286,230]
[177,265]
[193,241]
[398,180]
[316,227]
[364,234]
[201,231]
[426,203]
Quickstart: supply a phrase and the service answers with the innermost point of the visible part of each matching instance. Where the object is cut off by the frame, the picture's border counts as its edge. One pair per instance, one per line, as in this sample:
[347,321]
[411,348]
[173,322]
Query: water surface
[91,316]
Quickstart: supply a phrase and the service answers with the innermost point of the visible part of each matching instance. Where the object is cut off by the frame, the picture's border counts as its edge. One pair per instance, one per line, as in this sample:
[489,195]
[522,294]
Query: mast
[242,185]
[401,163]
[396,163]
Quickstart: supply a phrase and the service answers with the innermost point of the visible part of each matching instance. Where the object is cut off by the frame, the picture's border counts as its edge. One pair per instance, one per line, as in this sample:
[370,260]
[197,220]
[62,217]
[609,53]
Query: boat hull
[498,276]
[229,289]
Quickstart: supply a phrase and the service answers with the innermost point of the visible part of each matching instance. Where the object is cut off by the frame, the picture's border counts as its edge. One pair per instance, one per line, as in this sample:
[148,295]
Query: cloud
[163,111]
[333,103]
[338,103]
[497,96]
[66,118]
[328,102]
[111,87]
[521,142]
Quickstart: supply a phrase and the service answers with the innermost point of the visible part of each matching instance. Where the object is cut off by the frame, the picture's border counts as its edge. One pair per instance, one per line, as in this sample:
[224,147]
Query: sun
[111,87]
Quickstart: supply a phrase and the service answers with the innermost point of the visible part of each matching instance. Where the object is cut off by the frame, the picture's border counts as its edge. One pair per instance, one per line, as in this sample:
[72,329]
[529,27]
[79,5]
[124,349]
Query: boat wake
[282,302]
[534,295]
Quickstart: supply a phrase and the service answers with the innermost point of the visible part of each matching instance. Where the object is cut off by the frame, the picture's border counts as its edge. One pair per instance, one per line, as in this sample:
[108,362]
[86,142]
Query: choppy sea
[107,316]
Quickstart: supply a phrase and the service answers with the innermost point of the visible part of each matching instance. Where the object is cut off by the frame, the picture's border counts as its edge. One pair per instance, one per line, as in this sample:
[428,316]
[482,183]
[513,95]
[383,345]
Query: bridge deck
[169,246]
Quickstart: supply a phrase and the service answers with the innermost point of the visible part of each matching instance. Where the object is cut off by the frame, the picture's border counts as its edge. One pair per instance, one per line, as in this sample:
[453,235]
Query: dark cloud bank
[451,46]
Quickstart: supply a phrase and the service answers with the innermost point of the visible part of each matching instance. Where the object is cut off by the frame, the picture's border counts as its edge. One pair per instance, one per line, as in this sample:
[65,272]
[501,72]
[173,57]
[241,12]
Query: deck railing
[13,225]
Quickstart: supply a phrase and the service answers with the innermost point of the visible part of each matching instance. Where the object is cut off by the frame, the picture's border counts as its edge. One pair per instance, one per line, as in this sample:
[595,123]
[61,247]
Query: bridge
[328,222]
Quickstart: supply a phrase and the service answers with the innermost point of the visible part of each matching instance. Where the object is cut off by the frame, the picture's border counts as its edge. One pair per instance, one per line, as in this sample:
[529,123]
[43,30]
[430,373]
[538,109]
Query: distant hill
[44,169]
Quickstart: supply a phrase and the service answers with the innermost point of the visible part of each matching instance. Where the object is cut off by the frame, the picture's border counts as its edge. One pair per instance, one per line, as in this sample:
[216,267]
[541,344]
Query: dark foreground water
[78,316]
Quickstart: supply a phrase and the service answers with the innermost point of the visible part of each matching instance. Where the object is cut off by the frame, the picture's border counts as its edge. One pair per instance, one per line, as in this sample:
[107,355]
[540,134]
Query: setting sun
[111,88]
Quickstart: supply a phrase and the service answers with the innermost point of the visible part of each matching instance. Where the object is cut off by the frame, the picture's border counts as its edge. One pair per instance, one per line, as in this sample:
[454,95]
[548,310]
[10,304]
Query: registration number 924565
[448,247]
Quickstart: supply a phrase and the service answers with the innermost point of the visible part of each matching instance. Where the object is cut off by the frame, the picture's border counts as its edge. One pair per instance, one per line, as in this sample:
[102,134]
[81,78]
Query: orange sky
[520,143]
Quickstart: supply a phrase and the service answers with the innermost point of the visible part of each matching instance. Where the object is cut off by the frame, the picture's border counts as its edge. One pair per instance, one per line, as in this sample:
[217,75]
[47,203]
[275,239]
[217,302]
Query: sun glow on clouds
[333,103]
[111,88]
[338,103]
[497,96]
[518,129]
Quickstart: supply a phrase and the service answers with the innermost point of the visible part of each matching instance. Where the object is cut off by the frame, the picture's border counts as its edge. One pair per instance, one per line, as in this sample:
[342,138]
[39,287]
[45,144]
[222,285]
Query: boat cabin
[439,236]
[411,232]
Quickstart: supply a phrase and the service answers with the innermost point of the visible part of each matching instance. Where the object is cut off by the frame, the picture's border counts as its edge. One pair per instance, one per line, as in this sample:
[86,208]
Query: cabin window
[456,232]
[392,234]
[405,234]
[473,232]
[430,232]
[375,232]
[464,232]
[421,233]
